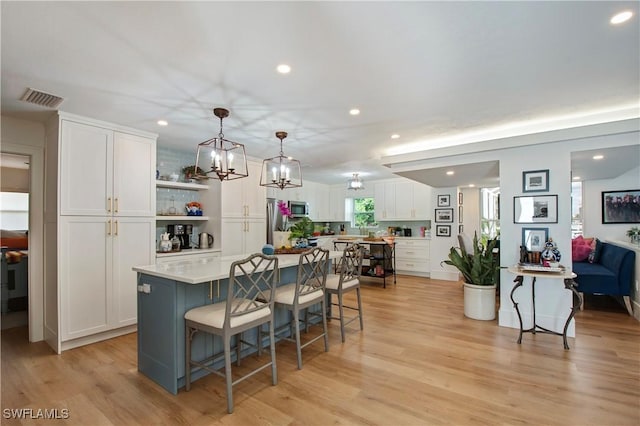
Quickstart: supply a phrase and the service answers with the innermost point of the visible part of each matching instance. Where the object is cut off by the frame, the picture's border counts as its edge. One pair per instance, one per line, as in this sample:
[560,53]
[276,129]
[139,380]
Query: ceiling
[427,71]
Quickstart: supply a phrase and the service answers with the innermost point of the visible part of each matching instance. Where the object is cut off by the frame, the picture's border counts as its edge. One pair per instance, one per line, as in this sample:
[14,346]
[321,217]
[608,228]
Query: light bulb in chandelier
[281,171]
[355,183]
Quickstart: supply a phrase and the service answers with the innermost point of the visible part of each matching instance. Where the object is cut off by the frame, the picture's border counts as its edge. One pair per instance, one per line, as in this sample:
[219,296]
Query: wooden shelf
[171,218]
[181,185]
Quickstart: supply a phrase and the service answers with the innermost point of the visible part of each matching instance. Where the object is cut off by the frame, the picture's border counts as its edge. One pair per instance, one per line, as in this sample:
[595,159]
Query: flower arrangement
[286,214]
[634,234]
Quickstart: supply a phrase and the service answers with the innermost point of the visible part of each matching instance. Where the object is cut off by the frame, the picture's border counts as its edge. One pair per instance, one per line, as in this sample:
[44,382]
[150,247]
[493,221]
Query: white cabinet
[336,204]
[402,200]
[100,210]
[245,197]
[97,284]
[244,206]
[105,172]
[322,206]
[412,256]
[243,236]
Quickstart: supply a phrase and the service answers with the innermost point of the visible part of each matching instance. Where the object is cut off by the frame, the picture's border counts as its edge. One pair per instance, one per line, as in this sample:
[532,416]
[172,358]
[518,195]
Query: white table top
[196,271]
[516,270]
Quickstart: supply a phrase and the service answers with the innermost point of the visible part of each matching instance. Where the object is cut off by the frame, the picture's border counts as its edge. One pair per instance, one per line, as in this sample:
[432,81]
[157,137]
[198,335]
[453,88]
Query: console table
[569,284]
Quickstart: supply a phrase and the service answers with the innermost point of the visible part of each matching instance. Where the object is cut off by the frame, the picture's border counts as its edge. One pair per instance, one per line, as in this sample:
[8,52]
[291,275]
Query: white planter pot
[281,238]
[480,301]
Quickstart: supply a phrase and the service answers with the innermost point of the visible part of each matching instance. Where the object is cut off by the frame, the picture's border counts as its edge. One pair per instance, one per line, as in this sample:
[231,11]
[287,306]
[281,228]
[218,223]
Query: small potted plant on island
[634,235]
[300,232]
[480,272]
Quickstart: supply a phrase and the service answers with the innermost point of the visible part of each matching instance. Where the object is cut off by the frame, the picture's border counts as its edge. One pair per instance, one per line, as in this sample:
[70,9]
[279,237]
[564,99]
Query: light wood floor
[418,361]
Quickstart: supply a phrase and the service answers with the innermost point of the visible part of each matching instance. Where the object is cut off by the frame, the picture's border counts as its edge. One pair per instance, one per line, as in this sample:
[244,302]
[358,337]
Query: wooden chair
[308,290]
[348,279]
[249,304]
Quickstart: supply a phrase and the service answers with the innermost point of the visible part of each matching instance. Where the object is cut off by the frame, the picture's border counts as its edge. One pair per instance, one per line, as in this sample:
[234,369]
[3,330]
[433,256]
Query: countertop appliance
[299,209]
[206,240]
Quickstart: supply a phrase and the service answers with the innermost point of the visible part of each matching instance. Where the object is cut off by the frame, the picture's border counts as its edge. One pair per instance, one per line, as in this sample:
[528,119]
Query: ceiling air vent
[41,98]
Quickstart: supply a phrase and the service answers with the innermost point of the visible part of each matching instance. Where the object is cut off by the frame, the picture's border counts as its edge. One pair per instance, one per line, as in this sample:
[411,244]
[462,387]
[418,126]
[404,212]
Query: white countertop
[210,268]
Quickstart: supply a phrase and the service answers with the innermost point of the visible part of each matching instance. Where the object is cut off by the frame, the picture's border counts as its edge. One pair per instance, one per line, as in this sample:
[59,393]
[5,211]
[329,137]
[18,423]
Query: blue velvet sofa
[612,274]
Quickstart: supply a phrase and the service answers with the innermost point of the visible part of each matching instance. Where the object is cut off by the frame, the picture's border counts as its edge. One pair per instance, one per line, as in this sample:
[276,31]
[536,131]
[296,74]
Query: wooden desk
[569,284]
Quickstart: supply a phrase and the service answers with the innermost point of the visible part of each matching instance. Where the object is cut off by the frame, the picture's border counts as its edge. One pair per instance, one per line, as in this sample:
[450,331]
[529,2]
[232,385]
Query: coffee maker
[183,232]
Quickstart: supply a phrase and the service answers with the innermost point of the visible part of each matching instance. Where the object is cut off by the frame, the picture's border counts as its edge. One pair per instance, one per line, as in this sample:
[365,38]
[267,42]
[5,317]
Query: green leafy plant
[190,171]
[303,228]
[633,231]
[480,267]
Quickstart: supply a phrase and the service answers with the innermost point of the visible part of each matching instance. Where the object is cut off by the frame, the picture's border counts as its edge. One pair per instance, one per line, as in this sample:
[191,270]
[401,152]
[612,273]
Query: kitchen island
[167,291]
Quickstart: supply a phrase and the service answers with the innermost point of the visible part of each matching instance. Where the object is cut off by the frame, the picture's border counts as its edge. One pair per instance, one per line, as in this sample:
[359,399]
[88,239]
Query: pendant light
[281,171]
[355,183]
[220,157]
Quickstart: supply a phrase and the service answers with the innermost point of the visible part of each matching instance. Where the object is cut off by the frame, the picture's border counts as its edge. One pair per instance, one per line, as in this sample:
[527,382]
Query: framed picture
[534,238]
[460,229]
[443,230]
[444,200]
[444,215]
[621,206]
[459,214]
[535,209]
[535,181]
[460,198]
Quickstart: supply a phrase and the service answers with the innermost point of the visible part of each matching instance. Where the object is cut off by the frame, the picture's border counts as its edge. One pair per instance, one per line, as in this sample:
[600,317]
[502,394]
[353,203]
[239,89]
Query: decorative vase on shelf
[281,239]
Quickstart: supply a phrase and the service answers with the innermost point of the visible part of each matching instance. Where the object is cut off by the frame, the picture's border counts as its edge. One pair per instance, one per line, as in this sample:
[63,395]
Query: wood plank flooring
[419,361]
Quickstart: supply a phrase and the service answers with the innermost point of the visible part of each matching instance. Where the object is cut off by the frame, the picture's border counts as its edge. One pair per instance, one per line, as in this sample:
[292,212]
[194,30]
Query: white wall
[440,246]
[592,225]
[471,210]
[27,138]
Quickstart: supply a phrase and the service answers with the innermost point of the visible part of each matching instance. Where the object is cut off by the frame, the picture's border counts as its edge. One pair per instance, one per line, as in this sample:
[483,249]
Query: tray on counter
[291,250]
[539,268]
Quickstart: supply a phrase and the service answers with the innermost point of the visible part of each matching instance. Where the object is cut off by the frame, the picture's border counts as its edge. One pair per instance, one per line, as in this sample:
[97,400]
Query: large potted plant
[480,271]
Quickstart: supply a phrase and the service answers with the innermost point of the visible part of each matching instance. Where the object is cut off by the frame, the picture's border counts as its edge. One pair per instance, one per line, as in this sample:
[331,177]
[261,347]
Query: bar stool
[348,279]
[249,304]
[308,290]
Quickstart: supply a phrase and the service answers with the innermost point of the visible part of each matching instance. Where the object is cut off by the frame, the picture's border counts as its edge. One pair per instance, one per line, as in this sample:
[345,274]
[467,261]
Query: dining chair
[348,279]
[308,290]
[249,304]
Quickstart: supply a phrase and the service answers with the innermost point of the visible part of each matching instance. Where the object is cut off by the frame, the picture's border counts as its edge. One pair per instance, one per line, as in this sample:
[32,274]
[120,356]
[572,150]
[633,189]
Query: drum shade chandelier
[355,183]
[220,157]
[281,171]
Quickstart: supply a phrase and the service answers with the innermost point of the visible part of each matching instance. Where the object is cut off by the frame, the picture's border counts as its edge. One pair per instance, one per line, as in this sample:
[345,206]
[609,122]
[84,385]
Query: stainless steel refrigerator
[275,220]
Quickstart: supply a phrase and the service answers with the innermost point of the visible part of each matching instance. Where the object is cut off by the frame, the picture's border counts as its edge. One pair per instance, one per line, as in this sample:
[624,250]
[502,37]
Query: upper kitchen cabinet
[337,195]
[104,171]
[245,197]
[402,200]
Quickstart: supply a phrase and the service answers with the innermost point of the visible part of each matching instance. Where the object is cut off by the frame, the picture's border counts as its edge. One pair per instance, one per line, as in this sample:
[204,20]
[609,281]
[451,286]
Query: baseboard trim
[87,340]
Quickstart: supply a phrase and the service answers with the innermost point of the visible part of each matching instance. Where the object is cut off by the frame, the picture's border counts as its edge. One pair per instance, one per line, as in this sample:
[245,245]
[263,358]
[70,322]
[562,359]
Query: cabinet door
[403,200]
[255,196]
[233,236]
[421,201]
[336,204]
[134,162]
[255,235]
[86,169]
[132,246]
[322,203]
[233,198]
[84,269]
[379,198]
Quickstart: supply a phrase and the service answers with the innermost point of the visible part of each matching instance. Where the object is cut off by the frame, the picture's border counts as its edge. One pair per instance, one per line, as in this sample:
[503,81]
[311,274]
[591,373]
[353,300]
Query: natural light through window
[14,211]
[490,205]
[363,213]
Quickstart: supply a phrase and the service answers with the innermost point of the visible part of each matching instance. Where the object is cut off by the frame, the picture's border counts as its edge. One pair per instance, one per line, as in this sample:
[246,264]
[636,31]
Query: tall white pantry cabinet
[99,223]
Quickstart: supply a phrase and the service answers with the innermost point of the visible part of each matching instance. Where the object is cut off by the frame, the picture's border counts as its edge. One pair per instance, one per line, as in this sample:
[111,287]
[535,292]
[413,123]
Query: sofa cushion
[596,251]
[580,249]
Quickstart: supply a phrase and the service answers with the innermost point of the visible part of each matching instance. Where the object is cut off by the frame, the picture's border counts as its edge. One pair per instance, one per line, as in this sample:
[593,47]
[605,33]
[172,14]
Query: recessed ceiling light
[284,69]
[576,178]
[354,111]
[621,17]
[471,185]
[450,172]
[395,136]
[598,157]
[163,123]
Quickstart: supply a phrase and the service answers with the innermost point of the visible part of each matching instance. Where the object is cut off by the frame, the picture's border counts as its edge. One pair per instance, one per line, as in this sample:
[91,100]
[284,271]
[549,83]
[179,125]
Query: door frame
[36,236]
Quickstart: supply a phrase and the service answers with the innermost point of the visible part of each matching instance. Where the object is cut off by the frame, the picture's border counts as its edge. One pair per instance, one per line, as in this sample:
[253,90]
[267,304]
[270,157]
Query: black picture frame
[534,238]
[443,230]
[444,200]
[535,181]
[460,229]
[460,198]
[443,215]
[621,206]
[459,214]
[535,209]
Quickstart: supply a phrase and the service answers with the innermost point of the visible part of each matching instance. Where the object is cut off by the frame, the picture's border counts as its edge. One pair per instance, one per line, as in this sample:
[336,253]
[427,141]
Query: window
[14,210]
[363,213]
[576,209]
[490,218]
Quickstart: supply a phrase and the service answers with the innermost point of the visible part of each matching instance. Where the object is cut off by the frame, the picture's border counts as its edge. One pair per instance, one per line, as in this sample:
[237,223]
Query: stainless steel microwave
[299,209]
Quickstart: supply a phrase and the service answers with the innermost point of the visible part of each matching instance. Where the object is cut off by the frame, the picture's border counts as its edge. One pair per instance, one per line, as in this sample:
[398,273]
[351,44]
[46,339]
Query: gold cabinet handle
[108,227]
[116,209]
[109,204]
[116,223]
